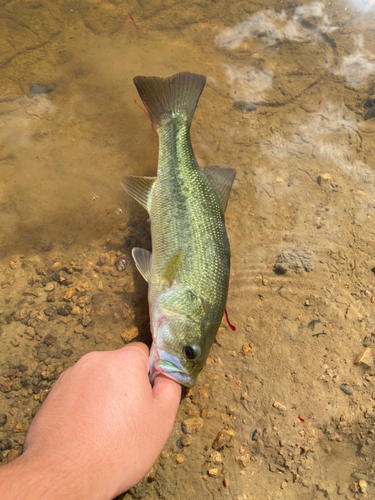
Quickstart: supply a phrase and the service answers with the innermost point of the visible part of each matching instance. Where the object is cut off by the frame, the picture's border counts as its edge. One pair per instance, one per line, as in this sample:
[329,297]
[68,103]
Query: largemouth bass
[188,270]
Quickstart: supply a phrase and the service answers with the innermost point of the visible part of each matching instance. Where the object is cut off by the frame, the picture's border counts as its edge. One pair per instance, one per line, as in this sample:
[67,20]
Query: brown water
[290,104]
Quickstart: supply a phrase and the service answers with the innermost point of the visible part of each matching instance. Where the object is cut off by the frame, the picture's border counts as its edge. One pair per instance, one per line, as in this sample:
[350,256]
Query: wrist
[36,478]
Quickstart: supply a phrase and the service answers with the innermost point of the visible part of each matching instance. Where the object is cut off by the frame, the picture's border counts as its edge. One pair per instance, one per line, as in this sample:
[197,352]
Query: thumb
[167,392]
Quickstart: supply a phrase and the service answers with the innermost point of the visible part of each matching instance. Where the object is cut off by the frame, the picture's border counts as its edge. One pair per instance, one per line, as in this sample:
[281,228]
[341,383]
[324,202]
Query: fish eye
[191,352]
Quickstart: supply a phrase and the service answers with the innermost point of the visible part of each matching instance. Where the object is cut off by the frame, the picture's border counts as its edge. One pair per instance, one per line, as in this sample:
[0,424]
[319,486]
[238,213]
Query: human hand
[101,428]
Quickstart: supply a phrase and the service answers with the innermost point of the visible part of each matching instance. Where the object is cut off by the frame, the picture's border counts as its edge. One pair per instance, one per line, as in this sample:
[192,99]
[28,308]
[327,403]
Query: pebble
[179,459]
[243,460]
[16,341]
[213,472]
[12,455]
[86,320]
[365,357]
[76,310]
[69,293]
[38,88]
[245,348]
[100,286]
[129,334]
[216,457]
[67,352]
[346,389]
[79,329]
[279,406]
[218,441]
[49,287]
[362,485]
[3,419]
[192,425]
[186,440]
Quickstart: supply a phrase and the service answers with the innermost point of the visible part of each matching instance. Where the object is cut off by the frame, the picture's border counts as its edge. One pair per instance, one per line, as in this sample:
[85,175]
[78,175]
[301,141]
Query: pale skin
[98,432]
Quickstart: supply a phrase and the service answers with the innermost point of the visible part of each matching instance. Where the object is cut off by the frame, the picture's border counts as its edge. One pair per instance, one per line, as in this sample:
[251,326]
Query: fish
[188,270]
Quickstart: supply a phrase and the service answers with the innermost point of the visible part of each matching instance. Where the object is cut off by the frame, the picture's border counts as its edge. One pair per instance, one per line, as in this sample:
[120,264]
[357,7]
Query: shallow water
[290,104]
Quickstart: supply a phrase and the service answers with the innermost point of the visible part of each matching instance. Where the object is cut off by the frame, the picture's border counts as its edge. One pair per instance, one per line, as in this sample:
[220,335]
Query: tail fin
[162,96]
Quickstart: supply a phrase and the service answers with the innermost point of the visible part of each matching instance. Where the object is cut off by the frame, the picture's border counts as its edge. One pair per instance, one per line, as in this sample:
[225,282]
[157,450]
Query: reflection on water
[286,400]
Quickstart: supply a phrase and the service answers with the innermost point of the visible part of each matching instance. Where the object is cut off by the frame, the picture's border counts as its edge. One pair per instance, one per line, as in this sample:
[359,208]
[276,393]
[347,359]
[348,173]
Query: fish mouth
[170,366]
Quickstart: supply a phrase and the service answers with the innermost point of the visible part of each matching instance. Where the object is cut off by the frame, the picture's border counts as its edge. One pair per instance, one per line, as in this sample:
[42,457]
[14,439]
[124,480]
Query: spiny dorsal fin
[140,188]
[221,179]
[178,94]
[171,268]
[142,259]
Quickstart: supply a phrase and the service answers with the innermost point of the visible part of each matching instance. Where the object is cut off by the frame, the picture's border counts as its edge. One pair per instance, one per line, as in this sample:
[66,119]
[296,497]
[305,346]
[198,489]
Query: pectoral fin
[142,259]
[139,188]
[221,179]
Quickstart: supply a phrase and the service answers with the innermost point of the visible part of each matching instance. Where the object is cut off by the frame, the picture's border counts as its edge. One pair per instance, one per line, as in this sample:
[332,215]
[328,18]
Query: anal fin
[139,188]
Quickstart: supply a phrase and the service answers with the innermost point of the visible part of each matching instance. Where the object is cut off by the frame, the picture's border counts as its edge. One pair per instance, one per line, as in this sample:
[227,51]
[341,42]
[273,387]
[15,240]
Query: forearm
[32,479]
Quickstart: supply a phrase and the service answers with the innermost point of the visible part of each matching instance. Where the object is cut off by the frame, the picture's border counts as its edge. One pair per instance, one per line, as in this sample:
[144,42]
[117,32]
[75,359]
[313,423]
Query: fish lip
[170,366]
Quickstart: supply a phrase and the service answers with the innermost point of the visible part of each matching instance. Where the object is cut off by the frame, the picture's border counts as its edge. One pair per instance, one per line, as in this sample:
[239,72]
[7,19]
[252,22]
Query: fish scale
[188,272]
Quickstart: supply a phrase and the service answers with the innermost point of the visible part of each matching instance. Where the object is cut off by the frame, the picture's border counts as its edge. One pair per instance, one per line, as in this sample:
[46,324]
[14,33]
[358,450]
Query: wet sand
[284,408]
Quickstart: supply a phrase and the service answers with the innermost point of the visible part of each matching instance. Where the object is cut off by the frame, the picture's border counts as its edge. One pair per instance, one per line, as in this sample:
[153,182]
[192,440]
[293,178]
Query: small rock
[18,427]
[17,385]
[16,341]
[30,332]
[365,357]
[12,455]
[39,88]
[216,457]
[245,348]
[346,389]
[56,266]
[86,320]
[49,339]
[3,419]
[243,460]
[323,178]
[100,286]
[67,352]
[218,441]
[186,440]
[179,459]
[362,485]
[69,293]
[279,406]
[76,310]
[213,472]
[130,334]
[49,287]
[51,297]
[79,329]
[192,425]
[342,487]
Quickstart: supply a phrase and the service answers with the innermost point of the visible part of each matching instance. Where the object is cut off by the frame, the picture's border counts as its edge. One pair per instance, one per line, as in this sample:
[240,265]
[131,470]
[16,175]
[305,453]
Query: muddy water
[285,405]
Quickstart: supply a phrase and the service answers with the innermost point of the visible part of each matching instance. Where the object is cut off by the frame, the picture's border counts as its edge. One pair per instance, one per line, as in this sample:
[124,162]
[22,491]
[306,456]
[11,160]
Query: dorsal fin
[142,259]
[139,188]
[221,179]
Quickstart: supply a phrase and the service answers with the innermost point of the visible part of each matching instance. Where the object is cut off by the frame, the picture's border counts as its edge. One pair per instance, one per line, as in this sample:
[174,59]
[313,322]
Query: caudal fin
[177,95]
